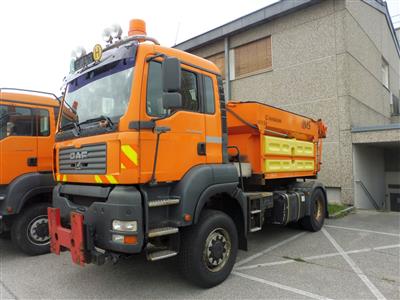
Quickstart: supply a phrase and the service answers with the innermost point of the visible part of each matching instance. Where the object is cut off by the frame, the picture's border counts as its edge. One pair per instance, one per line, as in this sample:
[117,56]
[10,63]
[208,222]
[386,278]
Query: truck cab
[144,161]
[27,129]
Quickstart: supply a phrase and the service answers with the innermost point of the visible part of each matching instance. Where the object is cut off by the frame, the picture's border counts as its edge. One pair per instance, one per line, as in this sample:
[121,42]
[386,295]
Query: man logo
[78,155]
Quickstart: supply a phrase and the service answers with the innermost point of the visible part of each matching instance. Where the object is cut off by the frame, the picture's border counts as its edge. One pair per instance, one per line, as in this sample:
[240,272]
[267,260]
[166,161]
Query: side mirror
[171,75]
[172,100]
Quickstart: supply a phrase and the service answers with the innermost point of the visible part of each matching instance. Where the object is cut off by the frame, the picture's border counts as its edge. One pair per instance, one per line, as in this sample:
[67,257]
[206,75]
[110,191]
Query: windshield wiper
[71,125]
[109,122]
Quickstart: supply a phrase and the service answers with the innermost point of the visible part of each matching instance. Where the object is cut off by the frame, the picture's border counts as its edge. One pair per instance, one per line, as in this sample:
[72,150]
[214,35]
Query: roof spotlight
[116,31]
[80,51]
[107,37]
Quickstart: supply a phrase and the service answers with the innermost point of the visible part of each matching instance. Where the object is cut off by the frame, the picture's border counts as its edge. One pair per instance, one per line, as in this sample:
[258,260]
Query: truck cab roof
[29,97]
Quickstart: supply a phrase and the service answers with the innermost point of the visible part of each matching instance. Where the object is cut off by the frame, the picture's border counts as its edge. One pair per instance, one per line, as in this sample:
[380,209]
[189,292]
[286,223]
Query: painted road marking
[280,286]
[353,265]
[363,230]
[252,257]
[333,254]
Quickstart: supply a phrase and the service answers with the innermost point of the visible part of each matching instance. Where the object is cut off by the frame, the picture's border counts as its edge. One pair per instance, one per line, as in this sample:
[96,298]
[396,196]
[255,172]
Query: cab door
[212,114]
[18,142]
[183,145]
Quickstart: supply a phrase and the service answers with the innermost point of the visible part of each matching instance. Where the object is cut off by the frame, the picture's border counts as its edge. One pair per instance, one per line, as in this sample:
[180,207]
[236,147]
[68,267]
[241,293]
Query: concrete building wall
[326,63]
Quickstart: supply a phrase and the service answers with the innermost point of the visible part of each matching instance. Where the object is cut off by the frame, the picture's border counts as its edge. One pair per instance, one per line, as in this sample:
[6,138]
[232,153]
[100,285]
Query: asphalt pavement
[356,257]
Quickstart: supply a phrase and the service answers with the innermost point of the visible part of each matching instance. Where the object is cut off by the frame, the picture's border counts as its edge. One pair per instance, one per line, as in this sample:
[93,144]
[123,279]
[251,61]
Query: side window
[189,92]
[209,98]
[3,121]
[16,121]
[44,123]
[154,104]
[20,122]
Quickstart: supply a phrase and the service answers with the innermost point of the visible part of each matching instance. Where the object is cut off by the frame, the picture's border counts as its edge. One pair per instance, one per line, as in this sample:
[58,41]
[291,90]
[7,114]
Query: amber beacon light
[137,27]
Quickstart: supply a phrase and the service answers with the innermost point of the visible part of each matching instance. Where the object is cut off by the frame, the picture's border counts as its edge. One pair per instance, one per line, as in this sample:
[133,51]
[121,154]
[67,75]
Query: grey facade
[333,59]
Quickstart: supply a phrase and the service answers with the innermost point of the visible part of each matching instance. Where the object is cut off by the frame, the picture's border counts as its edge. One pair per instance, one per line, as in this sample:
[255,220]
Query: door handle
[32,162]
[201,148]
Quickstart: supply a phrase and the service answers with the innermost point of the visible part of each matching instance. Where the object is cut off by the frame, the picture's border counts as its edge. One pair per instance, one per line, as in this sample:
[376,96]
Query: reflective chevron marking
[130,153]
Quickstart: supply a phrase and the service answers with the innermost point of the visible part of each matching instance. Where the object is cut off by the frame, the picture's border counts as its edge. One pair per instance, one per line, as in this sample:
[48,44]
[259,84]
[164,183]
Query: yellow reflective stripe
[130,153]
[64,178]
[123,166]
[58,177]
[111,179]
[98,179]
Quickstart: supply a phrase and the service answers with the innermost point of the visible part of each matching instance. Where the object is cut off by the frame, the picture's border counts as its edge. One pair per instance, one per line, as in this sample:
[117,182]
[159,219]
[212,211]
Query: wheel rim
[318,208]
[38,231]
[217,250]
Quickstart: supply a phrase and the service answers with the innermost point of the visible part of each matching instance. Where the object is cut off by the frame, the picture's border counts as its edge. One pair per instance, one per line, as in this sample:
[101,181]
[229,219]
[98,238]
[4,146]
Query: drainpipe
[227,69]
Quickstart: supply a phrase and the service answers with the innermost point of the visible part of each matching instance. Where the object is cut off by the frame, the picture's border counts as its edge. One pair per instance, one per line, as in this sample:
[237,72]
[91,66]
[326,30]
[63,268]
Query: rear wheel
[316,220]
[30,231]
[208,249]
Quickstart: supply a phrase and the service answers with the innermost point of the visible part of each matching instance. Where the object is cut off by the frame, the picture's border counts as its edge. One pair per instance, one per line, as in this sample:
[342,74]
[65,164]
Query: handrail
[370,198]
[31,91]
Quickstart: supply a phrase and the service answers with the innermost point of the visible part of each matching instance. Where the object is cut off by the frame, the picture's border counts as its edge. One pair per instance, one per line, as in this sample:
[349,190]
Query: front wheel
[316,219]
[208,249]
[30,230]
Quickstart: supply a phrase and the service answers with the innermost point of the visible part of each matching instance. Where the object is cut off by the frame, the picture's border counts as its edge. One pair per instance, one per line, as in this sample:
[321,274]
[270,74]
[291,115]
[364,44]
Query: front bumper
[88,227]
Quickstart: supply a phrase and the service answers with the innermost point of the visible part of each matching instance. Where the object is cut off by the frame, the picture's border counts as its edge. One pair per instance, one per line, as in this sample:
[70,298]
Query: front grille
[89,159]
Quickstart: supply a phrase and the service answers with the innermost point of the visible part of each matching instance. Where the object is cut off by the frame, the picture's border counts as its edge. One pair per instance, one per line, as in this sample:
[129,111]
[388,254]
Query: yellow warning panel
[278,165]
[285,165]
[303,148]
[277,146]
[287,147]
[303,165]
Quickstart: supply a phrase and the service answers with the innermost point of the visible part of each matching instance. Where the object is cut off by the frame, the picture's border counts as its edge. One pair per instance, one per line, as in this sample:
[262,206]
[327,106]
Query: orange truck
[149,158]
[27,129]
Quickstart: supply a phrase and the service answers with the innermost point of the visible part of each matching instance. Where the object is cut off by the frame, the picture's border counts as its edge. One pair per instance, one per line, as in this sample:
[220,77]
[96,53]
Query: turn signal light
[130,239]
[125,239]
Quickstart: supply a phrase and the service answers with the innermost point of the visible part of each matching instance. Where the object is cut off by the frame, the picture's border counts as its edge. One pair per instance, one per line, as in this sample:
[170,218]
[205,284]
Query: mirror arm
[149,59]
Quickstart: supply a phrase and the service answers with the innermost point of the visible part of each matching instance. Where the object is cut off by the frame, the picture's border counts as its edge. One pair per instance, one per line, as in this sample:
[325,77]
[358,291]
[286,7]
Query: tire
[214,228]
[5,235]
[316,220]
[29,231]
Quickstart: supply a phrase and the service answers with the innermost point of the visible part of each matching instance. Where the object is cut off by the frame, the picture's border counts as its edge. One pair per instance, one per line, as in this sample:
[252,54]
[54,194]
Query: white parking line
[252,257]
[363,230]
[355,268]
[288,261]
[280,286]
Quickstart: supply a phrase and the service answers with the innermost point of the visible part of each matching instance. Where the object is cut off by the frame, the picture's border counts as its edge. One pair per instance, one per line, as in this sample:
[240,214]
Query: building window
[385,73]
[253,57]
[219,60]
[395,106]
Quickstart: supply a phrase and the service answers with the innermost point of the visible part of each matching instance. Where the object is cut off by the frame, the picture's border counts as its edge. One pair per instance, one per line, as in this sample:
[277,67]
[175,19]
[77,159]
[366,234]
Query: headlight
[107,35]
[80,51]
[118,225]
[116,31]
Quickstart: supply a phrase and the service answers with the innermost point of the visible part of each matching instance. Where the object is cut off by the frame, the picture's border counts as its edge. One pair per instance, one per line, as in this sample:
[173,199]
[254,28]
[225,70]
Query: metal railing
[370,198]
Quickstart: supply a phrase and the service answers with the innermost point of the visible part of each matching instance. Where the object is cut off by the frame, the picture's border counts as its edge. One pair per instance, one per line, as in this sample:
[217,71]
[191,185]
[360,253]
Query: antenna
[177,33]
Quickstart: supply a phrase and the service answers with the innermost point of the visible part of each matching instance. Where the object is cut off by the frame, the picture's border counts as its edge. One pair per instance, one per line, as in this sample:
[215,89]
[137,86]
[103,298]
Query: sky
[37,37]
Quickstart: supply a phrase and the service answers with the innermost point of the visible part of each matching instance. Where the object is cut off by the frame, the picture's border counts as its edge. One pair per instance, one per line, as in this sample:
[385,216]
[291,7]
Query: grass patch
[334,208]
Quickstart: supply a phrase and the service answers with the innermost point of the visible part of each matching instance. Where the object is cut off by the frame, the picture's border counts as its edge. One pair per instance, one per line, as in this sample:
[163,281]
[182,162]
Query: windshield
[102,92]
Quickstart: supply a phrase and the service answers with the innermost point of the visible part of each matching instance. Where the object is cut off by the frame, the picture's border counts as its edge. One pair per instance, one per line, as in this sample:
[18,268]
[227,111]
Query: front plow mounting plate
[72,239]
